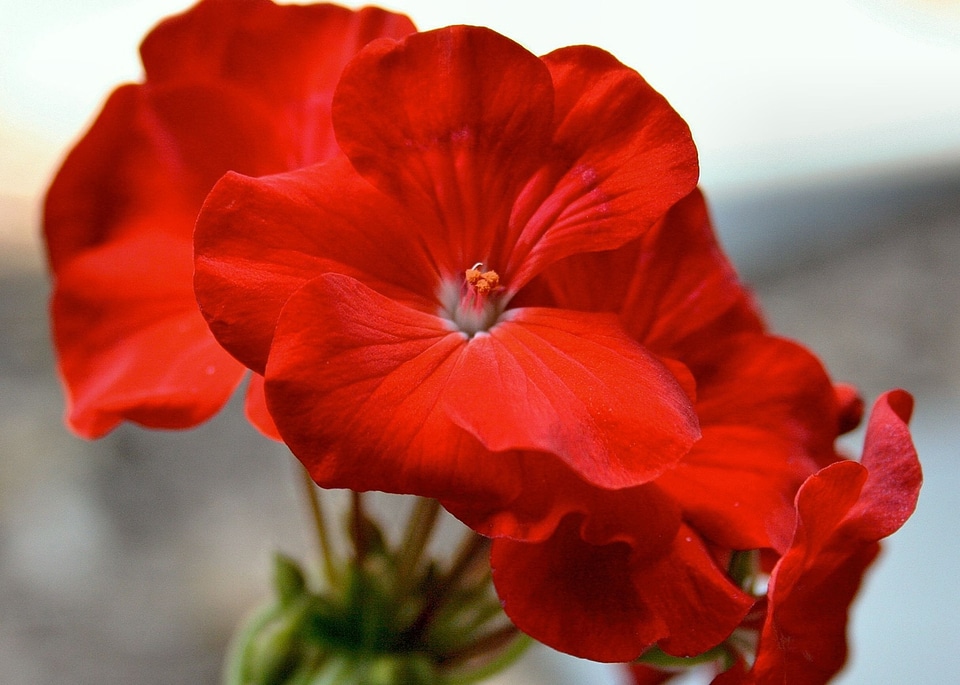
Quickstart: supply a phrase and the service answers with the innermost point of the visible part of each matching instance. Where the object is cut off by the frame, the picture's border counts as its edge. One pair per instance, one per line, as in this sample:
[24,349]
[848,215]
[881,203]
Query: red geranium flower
[484,302]
[842,512]
[400,360]
[242,86]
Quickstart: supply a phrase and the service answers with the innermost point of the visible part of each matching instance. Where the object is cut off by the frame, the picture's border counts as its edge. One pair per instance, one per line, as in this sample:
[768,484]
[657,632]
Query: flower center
[472,305]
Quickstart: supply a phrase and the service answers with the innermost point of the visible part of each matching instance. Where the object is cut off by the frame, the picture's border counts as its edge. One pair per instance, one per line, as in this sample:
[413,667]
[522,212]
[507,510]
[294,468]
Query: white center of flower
[472,305]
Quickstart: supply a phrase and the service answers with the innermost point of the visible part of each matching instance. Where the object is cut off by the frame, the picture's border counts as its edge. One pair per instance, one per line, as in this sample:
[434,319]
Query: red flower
[483,302]
[842,512]
[242,86]
[384,300]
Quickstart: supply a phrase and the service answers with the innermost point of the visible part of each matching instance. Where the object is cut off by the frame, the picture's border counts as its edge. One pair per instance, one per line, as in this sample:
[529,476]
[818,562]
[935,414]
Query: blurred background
[829,137]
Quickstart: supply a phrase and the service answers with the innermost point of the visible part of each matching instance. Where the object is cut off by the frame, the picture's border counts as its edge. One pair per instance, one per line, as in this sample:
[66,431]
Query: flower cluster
[498,287]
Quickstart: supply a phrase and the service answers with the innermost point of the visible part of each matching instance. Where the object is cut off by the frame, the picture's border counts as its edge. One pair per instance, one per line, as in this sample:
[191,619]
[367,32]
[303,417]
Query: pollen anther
[484,282]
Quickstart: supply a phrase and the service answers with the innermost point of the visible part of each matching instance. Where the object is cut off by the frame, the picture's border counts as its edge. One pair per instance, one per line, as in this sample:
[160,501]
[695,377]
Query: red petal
[149,160]
[849,407]
[454,122]
[621,158]
[461,124]
[552,491]
[132,344]
[354,383]
[230,86]
[674,288]
[362,389]
[288,57]
[259,240]
[842,512]
[890,494]
[768,417]
[611,602]
[736,488]
[572,384]
[112,179]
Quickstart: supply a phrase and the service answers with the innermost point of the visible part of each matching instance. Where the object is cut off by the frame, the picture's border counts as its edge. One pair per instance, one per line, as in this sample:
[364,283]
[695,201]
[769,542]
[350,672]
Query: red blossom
[243,86]
[387,368]
[842,512]
[507,295]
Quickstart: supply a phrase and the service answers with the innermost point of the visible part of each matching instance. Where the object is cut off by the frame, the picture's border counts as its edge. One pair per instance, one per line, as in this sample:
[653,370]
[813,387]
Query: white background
[771,90]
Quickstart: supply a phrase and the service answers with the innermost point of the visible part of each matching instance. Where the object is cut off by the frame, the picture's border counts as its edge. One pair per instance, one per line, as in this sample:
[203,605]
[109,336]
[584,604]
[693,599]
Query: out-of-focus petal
[131,340]
[230,86]
[255,408]
[289,57]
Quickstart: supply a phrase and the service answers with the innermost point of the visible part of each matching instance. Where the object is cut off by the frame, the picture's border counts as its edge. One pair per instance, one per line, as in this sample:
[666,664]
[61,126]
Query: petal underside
[131,342]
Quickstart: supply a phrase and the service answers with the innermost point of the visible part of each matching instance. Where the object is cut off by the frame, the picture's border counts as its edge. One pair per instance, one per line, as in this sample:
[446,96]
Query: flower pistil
[472,306]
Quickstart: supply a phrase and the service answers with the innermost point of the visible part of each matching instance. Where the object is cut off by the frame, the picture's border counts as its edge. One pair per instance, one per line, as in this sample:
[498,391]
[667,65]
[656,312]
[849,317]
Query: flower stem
[419,528]
[472,546]
[501,663]
[358,528]
[492,641]
[319,525]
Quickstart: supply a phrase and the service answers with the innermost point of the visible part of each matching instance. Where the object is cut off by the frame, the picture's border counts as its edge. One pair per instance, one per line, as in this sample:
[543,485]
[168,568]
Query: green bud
[288,579]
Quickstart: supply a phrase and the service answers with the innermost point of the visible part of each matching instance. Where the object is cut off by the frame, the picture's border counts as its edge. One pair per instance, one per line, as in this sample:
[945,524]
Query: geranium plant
[487,279]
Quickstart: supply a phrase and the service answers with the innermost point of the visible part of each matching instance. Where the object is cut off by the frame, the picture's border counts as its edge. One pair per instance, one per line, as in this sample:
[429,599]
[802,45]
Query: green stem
[319,526]
[472,546]
[660,659]
[490,642]
[506,659]
[358,528]
[419,529]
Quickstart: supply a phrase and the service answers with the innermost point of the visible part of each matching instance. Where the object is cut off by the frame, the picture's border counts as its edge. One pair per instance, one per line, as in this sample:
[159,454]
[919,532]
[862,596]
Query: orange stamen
[484,282]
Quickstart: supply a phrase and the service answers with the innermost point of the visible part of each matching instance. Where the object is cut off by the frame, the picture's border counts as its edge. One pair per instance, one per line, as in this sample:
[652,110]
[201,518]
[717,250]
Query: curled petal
[890,493]
[843,511]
